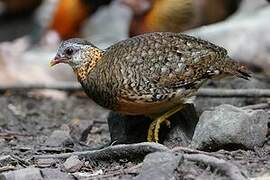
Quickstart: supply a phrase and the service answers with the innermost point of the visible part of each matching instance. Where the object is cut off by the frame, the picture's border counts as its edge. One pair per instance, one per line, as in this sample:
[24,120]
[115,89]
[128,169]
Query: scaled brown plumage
[151,74]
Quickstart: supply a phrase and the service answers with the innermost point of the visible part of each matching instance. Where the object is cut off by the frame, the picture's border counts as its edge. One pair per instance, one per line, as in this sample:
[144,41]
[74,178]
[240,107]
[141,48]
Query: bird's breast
[100,92]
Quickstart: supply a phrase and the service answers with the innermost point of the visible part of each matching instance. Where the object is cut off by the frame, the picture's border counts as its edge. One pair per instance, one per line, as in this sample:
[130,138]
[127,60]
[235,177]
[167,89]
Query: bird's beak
[57,60]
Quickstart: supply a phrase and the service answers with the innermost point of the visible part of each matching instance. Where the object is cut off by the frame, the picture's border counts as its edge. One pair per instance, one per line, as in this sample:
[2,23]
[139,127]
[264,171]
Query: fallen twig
[257,106]
[7,168]
[228,169]
[112,152]
[9,134]
[21,161]
[203,92]
[193,151]
[22,148]
[213,160]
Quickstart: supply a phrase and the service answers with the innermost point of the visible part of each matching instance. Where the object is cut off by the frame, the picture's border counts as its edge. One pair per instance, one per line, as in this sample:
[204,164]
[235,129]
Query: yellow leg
[155,125]
[152,128]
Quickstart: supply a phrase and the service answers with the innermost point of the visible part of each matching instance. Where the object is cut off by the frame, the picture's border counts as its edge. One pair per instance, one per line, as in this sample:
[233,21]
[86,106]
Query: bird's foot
[155,125]
[154,129]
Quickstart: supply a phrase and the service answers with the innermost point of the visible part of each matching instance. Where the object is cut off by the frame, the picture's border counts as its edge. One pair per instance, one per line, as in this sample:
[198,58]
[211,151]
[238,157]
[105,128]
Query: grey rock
[73,164]
[55,174]
[59,138]
[230,127]
[182,127]
[128,129]
[22,174]
[159,166]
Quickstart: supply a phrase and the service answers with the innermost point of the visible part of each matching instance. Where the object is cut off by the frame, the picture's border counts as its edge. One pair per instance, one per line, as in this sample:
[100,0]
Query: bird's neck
[89,64]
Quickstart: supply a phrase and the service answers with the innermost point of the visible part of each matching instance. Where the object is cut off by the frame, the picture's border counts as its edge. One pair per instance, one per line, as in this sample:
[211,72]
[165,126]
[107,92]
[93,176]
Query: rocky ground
[46,138]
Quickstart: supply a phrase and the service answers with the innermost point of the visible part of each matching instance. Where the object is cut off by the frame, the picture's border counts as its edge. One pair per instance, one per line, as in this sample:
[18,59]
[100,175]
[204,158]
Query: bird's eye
[69,51]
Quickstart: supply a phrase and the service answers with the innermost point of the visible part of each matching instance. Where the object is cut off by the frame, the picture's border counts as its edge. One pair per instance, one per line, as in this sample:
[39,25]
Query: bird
[70,15]
[153,74]
[176,15]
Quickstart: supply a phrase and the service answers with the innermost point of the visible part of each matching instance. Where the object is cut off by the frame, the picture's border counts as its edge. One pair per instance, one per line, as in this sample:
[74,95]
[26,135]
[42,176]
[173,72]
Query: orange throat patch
[92,57]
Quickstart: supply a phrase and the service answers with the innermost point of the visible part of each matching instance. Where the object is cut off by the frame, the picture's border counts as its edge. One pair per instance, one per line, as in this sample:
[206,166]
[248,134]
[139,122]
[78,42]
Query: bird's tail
[236,69]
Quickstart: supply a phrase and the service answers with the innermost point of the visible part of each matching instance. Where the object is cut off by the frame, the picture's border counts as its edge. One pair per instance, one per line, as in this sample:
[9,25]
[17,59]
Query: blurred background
[31,30]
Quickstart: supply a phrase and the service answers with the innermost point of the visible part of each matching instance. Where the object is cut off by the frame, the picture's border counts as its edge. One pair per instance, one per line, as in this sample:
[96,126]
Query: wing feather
[161,63]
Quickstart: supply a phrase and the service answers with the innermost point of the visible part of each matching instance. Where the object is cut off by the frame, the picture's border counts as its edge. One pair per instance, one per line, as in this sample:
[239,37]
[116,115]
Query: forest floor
[27,121]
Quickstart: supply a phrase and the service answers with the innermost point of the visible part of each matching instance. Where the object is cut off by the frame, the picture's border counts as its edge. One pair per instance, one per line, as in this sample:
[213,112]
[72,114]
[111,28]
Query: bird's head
[77,53]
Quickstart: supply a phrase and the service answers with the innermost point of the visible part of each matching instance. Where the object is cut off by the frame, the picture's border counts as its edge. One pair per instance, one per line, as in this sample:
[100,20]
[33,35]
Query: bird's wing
[164,61]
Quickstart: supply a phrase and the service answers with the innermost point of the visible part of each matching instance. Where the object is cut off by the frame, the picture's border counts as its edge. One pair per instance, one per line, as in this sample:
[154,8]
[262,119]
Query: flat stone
[159,166]
[230,128]
[22,174]
[59,138]
[73,164]
[43,163]
[55,174]
[134,129]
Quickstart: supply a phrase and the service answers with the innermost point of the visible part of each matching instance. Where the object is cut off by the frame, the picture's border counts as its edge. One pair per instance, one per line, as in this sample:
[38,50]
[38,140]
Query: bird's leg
[152,128]
[155,125]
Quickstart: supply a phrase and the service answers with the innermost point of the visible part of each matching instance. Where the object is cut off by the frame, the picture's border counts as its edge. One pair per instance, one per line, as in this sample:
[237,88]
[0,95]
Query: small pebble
[46,162]
[73,164]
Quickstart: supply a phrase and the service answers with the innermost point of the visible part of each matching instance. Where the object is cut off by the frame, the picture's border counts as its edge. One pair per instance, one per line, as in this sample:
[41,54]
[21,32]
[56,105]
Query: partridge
[177,15]
[152,74]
